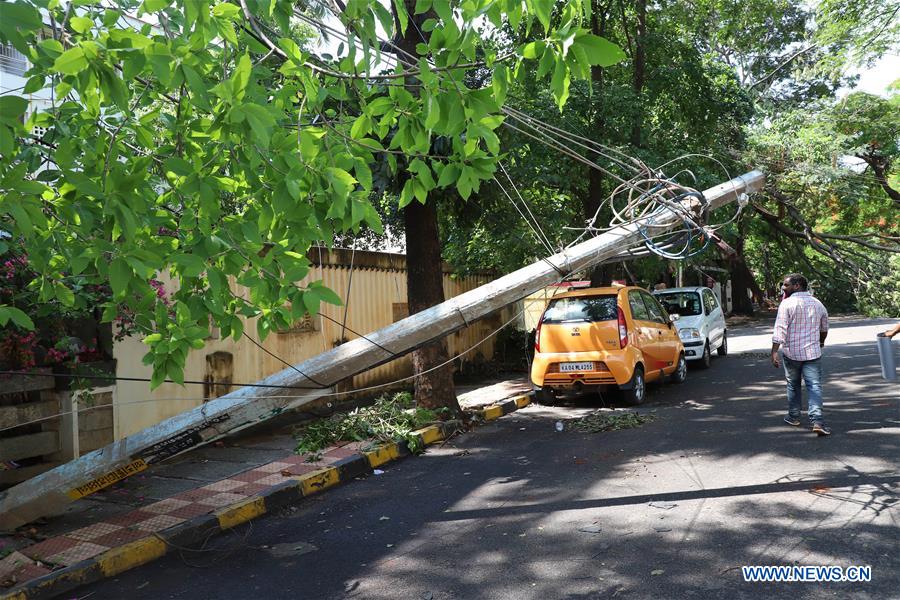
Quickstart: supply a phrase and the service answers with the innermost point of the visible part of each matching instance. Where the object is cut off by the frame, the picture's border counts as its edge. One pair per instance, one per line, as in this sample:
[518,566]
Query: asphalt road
[672,509]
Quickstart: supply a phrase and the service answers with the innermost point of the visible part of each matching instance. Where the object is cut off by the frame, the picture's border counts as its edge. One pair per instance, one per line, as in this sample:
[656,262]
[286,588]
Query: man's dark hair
[798,279]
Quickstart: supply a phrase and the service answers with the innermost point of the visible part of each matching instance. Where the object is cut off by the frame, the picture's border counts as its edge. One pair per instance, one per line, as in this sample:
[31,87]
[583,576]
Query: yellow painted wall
[379,282]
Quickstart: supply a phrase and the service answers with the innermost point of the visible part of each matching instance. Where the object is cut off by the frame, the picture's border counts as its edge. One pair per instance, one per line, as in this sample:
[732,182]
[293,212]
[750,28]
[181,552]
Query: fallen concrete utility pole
[49,492]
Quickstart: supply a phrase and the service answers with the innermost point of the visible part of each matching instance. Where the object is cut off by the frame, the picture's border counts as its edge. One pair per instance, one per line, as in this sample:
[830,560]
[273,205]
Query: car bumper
[619,369]
[693,350]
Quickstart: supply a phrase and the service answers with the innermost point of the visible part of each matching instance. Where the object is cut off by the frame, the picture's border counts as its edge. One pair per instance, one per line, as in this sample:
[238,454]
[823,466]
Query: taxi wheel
[706,360]
[545,397]
[638,390]
[680,372]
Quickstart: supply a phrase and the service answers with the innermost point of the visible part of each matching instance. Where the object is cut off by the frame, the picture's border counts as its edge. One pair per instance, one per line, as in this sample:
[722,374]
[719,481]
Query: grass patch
[609,421]
[392,418]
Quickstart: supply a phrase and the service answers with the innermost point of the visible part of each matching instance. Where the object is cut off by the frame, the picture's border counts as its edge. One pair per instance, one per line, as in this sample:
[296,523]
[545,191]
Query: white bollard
[886,353]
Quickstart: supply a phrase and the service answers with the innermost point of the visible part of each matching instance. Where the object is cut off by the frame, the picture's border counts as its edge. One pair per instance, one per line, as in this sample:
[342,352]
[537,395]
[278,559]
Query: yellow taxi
[611,337]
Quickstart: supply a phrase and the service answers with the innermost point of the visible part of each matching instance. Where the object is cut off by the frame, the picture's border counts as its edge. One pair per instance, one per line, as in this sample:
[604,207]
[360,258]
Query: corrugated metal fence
[375,298]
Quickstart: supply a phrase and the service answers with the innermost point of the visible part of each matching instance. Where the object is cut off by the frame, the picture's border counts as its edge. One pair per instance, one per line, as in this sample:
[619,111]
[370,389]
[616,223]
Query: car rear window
[686,304]
[582,308]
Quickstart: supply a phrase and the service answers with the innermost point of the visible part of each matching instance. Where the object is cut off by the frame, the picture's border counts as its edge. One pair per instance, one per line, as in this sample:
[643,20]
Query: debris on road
[605,420]
[663,505]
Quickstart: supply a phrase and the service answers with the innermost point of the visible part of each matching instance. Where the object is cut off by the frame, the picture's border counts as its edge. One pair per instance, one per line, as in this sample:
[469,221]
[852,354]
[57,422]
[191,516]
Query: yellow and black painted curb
[145,550]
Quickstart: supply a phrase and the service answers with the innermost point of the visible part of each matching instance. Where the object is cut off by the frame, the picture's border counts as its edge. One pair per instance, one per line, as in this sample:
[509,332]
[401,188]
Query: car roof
[612,290]
[698,288]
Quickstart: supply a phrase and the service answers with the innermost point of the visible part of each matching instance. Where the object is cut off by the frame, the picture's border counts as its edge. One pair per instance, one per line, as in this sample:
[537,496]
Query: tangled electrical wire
[643,192]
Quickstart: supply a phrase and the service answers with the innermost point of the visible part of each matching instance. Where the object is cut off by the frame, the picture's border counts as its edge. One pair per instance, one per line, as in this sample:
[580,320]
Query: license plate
[582,366]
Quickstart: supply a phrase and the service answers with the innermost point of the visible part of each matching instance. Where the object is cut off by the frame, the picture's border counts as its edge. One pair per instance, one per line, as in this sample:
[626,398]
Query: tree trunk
[742,279]
[424,274]
[425,288]
[640,61]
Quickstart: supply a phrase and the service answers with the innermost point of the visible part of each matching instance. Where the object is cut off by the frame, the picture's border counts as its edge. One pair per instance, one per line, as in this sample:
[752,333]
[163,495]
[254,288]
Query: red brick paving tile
[250,476]
[252,488]
[158,523]
[195,495]
[28,572]
[225,485]
[78,553]
[49,547]
[118,538]
[92,532]
[191,510]
[223,499]
[130,518]
[342,452]
[273,467]
[168,505]
[11,563]
[273,479]
[295,459]
[301,468]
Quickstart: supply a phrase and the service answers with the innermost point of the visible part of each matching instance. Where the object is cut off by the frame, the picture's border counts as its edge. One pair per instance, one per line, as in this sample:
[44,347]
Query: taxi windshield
[582,308]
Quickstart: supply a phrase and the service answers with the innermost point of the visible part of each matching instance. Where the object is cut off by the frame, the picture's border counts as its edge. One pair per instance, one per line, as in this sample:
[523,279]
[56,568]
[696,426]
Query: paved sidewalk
[194,484]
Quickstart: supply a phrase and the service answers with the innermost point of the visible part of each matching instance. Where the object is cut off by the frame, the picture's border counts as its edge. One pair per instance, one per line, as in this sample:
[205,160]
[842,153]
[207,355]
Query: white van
[701,322]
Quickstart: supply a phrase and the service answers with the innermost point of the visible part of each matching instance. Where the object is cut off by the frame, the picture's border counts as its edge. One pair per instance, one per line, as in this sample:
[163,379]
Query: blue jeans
[811,372]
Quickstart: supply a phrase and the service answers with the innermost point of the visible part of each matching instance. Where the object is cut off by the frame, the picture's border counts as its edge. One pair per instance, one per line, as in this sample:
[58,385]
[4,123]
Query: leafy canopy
[217,147]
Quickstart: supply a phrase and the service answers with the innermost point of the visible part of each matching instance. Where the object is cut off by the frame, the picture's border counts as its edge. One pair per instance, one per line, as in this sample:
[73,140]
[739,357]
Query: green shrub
[390,419]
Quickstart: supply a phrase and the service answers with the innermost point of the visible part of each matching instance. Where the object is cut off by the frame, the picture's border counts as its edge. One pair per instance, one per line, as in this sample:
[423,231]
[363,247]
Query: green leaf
[500,83]
[261,122]
[12,108]
[560,83]
[533,50]
[226,10]
[342,181]
[599,51]
[422,6]
[152,338]
[17,18]
[71,62]
[241,76]
[195,82]
[152,6]
[192,265]
[292,50]
[326,295]
[402,15]
[542,10]
[17,316]
[64,294]
[310,144]
[443,10]
[81,24]
[120,275]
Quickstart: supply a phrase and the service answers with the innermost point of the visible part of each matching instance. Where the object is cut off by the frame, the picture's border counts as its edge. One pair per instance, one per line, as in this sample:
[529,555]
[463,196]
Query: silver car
[701,322]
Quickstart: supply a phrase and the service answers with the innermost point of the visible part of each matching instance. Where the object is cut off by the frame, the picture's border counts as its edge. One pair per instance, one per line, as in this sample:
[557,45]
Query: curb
[154,546]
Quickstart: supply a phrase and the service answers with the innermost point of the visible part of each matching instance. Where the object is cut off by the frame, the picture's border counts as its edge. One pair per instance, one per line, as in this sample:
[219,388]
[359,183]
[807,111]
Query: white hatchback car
[701,322]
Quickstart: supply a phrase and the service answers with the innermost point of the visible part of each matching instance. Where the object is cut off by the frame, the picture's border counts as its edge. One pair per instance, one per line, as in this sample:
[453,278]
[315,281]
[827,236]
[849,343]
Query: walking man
[801,327]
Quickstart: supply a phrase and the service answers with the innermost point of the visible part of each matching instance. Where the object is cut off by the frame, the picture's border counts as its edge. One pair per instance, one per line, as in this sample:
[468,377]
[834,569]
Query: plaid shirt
[800,320]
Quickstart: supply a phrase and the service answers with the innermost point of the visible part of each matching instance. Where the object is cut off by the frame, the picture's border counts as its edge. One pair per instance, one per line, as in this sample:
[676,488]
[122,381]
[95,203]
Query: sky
[875,79]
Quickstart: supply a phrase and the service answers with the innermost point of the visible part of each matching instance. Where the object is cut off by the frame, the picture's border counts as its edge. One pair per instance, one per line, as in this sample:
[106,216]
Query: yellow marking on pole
[382,455]
[317,481]
[243,511]
[492,413]
[133,554]
[108,479]
[430,434]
